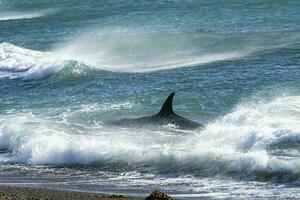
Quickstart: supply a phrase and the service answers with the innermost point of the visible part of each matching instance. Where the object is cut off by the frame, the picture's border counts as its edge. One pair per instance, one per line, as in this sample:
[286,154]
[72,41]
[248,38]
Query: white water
[17,62]
[4,16]
[236,143]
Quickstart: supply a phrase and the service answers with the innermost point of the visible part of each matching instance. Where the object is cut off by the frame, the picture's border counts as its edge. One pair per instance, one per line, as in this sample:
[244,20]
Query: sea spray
[133,50]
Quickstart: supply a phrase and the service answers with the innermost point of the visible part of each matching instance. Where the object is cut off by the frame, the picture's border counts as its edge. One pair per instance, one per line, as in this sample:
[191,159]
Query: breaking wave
[115,55]
[129,50]
[16,62]
[252,141]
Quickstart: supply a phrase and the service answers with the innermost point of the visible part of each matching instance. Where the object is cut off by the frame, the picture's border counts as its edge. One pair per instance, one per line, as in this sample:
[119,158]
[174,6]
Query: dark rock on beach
[157,195]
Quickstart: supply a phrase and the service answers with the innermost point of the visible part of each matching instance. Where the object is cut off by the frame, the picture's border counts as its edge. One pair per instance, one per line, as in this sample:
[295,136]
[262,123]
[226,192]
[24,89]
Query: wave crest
[17,62]
[4,16]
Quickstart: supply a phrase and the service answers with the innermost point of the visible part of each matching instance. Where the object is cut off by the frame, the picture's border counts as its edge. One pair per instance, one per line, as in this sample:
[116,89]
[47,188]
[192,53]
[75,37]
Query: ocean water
[68,67]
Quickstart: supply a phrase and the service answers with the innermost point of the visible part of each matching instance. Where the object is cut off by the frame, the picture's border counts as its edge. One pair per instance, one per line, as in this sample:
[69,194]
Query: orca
[165,116]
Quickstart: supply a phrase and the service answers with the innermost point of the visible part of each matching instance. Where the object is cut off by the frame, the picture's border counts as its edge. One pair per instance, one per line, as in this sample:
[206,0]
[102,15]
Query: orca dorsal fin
[167,108]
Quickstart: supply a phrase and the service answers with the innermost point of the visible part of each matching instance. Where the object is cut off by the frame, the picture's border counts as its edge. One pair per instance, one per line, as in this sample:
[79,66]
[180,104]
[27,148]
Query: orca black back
[165,116]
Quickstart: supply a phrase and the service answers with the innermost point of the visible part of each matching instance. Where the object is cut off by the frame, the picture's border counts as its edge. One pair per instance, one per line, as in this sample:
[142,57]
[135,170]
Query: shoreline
[34,193]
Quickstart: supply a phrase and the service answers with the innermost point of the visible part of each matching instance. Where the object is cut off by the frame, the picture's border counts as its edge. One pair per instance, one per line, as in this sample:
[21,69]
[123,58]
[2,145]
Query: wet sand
[29,193]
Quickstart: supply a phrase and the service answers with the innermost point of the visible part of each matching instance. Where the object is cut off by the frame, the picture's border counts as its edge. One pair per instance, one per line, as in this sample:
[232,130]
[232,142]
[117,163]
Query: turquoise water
[68,67]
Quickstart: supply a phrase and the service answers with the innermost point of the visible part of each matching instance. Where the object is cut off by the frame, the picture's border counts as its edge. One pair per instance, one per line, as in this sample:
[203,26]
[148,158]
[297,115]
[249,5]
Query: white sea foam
[4,16]
[239,142]
[17,62]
